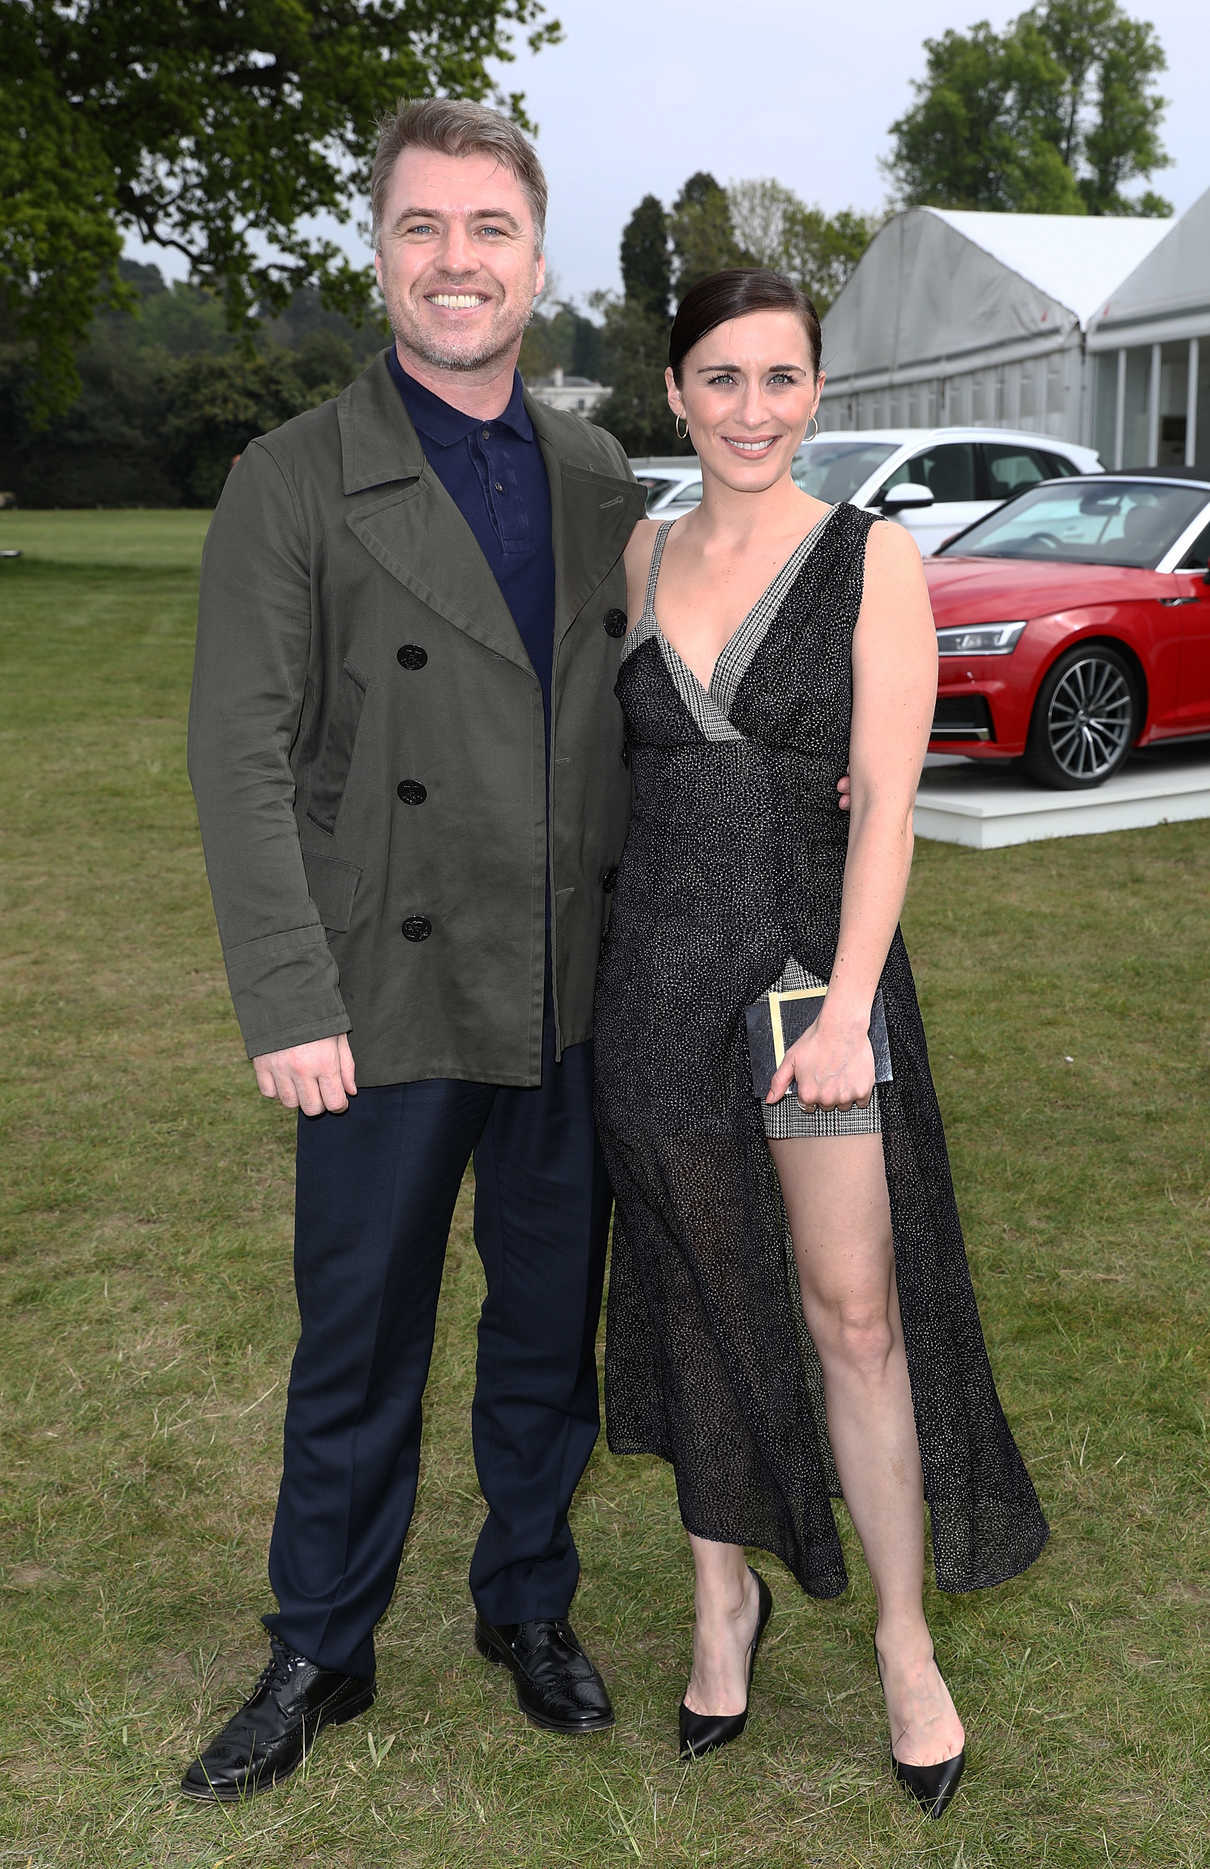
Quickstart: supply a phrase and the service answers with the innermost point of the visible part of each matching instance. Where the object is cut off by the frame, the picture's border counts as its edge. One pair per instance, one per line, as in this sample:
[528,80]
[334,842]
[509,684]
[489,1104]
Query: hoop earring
[677,427]
[809,436]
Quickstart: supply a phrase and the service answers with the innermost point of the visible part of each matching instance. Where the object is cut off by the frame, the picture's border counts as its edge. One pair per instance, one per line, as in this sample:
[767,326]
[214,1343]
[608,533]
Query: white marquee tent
[954,317]
[1150,343]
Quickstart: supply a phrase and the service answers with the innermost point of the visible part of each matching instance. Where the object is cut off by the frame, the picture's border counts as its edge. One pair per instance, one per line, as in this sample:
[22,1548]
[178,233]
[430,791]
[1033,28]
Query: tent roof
[939,288]
[1076,259]
[1172,277]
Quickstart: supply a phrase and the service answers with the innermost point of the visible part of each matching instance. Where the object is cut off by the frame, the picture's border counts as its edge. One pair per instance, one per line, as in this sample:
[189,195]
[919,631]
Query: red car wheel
[1085,720]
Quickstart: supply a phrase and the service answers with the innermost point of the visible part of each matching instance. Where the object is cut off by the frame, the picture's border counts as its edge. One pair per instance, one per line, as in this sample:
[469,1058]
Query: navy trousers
[376,1187]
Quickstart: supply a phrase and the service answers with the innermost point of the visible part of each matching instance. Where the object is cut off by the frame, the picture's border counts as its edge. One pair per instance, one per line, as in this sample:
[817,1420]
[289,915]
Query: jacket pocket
[331,770]
[331,885]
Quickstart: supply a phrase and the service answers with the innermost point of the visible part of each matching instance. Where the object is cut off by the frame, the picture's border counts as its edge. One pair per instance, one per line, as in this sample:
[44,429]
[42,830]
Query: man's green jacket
[367,747]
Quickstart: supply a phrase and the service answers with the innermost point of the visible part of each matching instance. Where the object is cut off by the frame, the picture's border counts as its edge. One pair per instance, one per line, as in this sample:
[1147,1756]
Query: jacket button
[411,655]
[411,791]
[609,880]
[417,928]
[615,622]
[626,756]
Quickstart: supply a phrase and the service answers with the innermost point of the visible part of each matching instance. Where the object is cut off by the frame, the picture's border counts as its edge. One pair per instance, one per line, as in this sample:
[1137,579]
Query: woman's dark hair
[732,294]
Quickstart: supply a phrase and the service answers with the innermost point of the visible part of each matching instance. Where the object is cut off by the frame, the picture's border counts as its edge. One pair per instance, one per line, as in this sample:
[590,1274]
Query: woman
[791,1315]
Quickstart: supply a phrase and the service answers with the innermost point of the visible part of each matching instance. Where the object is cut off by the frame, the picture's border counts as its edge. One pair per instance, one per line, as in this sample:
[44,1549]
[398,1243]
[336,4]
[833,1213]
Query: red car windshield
[1081,522]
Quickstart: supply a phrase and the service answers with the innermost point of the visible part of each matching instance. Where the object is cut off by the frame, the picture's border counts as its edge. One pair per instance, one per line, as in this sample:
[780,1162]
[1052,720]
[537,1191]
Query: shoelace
[279,1663]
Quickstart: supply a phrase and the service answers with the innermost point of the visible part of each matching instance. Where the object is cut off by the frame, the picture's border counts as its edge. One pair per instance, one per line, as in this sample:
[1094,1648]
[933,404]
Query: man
[410,782]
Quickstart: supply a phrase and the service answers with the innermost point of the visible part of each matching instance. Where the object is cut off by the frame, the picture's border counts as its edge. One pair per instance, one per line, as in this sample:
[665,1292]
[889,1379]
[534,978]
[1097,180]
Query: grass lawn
[147,1323]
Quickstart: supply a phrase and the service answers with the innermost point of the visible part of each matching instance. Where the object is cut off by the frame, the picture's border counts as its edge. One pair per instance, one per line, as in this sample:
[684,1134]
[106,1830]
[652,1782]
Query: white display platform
[962,801]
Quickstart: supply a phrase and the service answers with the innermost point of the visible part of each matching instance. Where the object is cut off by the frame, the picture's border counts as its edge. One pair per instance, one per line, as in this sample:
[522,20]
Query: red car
[1073,624]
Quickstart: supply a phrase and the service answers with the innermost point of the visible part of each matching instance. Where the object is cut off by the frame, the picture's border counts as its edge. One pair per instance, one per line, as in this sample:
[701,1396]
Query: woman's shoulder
[641,543]
[639,548]
[890,548]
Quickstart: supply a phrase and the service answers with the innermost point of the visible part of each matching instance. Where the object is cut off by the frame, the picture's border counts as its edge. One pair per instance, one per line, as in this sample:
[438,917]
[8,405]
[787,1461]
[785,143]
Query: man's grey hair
[450,126]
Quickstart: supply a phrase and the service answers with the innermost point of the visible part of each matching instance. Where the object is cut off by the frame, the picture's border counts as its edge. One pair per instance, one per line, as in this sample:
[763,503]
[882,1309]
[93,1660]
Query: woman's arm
[894,687]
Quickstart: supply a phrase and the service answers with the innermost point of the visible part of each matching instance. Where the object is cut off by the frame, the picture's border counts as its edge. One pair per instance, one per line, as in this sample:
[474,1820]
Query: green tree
[213,406]
[703,238]
[646,258]
[561,338]
[167,397]
[306,316]
[815,250]
[635,354]
[1056,115]
[182,320]
[108,451]
[587,346]
[213,130]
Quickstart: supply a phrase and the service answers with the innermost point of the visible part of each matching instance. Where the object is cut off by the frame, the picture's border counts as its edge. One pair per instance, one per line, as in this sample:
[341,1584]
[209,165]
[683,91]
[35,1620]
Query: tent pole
[1119,414]
[1153,409]
[1191,405]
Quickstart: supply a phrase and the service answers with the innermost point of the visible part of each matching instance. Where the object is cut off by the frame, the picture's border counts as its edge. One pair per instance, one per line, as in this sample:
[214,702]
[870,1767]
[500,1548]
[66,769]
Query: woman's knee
[855,1333]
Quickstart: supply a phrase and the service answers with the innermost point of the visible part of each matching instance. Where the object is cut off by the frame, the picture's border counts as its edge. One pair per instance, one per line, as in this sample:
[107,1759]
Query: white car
[934,481]
[665,476]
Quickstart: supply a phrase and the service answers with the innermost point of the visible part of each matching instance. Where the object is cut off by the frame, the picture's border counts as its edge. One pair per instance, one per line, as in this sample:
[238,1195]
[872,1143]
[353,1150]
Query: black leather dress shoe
[276,1726]
[557,1686]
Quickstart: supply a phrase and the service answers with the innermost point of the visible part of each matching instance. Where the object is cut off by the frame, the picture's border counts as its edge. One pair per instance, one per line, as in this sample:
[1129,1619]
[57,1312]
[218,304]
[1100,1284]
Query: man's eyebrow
[441,214]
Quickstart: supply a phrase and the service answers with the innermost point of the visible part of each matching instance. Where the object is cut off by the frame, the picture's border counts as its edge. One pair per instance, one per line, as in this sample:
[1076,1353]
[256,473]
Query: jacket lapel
[592,514]
[404,517]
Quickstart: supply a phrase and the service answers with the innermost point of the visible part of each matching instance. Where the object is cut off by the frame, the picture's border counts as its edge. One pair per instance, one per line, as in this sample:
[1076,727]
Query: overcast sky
[644,92]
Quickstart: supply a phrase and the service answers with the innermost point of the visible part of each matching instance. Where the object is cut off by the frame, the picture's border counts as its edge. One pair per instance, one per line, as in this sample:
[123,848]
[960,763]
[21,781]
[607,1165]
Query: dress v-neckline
[707,687]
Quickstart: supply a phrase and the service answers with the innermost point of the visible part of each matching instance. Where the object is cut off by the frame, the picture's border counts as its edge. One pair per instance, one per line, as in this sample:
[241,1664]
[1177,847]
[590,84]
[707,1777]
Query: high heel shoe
[932,1786]
[706,1732]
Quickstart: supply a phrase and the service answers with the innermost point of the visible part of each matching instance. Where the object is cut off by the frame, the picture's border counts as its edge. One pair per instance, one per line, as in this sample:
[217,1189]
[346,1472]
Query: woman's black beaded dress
[734,862]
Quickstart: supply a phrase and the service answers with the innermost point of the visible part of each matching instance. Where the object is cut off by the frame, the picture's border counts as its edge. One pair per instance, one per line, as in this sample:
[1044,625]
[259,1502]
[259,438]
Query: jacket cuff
[286,990]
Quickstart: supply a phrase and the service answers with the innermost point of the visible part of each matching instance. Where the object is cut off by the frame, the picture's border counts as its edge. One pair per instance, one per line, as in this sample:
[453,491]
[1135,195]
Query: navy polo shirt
[495,475]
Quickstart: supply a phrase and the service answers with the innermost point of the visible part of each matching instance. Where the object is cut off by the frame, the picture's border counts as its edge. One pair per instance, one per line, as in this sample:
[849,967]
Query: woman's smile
[753,450]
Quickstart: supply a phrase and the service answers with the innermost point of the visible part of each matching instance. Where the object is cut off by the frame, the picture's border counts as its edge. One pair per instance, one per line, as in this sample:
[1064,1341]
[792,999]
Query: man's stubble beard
[438,357]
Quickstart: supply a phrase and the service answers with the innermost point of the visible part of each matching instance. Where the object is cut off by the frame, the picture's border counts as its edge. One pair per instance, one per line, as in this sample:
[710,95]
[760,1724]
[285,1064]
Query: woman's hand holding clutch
[830,1067]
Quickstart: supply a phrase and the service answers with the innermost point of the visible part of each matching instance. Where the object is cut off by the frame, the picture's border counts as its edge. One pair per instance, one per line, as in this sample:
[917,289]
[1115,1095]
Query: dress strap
[657,552]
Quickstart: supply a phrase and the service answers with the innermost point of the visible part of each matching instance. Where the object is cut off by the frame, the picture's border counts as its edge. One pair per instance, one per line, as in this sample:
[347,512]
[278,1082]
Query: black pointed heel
[706,1732]
[932,1786]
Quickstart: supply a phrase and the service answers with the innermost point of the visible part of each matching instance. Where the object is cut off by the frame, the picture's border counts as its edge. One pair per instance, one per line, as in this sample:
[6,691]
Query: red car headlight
[980,639]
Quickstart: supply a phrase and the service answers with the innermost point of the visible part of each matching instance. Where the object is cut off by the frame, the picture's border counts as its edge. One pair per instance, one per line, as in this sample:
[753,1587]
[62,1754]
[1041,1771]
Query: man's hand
[311,1078]
[842,791]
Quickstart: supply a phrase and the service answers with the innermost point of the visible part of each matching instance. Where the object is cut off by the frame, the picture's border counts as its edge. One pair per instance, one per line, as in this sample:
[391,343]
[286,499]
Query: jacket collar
[377,440]
[593,512]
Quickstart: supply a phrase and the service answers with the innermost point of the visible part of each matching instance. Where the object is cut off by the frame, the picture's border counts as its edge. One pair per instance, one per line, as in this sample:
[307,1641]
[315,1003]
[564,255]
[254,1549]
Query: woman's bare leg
[834,1188]
[725,1609]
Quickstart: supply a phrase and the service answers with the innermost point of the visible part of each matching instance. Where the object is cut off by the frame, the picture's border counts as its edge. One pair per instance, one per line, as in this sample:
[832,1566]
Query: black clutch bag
[778,1020]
